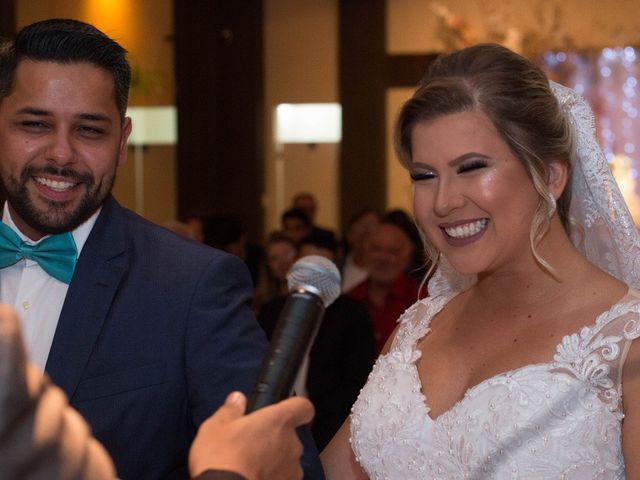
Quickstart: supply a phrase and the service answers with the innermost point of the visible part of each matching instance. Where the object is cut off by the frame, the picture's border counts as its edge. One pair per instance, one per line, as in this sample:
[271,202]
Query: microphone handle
[297,326]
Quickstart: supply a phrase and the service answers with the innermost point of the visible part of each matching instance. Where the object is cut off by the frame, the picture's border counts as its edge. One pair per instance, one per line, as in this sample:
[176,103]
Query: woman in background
[280,252]
[353,269]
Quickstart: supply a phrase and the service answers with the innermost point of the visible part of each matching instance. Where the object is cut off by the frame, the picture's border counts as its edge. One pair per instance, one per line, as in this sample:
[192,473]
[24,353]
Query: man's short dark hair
[221,230]
[320,239]
[66,41]
[298,214]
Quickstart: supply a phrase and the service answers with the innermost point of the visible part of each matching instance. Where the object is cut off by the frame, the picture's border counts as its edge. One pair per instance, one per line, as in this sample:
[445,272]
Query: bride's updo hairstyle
[516,96]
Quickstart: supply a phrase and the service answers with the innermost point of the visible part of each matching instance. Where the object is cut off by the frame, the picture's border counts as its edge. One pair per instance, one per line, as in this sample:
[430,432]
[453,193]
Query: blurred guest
[280,252]
[389,290]
[418,266]
[227,233]
[341,356]
[224,232]
[196,224]
[306,202]
[359,226]
[296,224]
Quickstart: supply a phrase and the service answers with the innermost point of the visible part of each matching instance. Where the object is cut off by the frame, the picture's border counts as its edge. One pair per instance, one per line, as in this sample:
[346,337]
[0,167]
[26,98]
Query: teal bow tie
[56,255]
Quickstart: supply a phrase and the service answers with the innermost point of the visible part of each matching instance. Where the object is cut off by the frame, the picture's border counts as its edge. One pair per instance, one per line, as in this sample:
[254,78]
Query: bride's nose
[448,197]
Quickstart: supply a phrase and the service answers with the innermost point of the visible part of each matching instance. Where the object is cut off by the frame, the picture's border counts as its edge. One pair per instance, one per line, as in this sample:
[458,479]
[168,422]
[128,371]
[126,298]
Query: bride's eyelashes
[472,165]
[417,176]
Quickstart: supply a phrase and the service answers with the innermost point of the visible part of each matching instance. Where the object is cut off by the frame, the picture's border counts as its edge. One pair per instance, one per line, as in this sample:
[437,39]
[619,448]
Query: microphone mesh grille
[317,272]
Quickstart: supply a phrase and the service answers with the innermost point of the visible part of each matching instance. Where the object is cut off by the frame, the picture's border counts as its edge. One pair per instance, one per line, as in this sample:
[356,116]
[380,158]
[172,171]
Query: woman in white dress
[513,367]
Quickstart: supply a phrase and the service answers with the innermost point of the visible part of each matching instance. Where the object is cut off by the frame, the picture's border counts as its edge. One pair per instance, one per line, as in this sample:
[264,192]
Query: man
[306,202]
[227,233]
[144,331]
[295,224]
[389,290]
[42,437]
[342,354]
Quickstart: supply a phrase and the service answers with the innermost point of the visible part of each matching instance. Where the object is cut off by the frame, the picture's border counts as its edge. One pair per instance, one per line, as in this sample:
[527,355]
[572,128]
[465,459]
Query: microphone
[314,283]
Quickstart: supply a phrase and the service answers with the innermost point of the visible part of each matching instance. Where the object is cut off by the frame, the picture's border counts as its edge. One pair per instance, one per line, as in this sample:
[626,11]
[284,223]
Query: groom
[144,331]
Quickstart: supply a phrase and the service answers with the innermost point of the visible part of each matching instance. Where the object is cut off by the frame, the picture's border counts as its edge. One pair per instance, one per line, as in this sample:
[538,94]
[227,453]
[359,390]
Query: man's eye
[471,166]
[90,131]
[33,125]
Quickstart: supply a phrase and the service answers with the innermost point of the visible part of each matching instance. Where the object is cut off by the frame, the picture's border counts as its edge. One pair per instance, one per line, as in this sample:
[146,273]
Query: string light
[608,79]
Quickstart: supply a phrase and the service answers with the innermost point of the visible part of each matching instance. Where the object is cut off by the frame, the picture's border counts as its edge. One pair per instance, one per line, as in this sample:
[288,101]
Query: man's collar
[80,234]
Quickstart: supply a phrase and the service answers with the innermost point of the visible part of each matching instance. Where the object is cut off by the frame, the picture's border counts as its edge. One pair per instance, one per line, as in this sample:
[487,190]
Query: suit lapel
[101,266]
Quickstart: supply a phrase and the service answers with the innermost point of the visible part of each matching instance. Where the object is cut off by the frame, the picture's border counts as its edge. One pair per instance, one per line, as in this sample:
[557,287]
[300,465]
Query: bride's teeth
[57,185]
[467,230]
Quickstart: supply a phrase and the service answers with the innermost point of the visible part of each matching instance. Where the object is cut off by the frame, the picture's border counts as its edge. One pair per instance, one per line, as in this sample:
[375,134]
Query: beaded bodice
[560,419]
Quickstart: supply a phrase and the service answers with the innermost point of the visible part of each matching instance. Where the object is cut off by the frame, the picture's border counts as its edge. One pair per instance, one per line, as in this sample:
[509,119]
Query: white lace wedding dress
[555,420]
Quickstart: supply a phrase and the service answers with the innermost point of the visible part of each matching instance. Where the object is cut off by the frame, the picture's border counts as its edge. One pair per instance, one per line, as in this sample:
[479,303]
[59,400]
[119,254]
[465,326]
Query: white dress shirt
[36,296]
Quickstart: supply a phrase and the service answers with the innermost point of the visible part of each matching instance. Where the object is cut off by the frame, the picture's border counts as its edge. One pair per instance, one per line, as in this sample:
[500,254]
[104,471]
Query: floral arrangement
[544,34]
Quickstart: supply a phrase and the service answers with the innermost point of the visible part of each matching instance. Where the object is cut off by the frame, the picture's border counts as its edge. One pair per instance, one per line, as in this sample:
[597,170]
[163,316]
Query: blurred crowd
[382,264]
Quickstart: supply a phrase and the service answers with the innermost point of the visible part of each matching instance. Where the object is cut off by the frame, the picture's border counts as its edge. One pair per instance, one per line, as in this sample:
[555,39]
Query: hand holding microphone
[314,283]
[262,446]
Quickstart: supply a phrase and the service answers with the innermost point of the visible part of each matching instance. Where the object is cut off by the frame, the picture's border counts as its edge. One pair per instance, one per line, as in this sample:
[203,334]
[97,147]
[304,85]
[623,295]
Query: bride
[514,365]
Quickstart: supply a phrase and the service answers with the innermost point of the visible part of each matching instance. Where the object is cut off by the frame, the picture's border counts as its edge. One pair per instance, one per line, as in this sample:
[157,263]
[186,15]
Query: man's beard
[54,218]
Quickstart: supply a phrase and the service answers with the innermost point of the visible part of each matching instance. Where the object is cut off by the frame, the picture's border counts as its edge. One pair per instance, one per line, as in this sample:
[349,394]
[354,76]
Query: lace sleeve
[596,354]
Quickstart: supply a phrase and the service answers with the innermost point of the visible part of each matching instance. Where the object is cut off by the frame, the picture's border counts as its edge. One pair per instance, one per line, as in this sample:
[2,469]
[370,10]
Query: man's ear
[558,177]
[126,131]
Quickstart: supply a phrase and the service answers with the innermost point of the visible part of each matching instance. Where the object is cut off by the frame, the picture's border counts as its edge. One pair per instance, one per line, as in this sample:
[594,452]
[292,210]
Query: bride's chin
[466,267]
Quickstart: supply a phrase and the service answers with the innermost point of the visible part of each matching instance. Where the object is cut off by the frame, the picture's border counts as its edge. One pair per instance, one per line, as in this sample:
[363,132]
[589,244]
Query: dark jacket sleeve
[226,346]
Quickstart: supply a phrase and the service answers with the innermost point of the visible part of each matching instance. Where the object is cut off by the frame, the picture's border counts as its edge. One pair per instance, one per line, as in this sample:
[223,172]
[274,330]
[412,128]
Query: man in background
[144,331]
[306,202]
[388,290]
[227,233]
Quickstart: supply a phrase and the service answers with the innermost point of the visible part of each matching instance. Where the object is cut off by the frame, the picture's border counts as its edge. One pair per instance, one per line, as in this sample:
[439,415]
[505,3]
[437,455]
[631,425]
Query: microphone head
[318,275]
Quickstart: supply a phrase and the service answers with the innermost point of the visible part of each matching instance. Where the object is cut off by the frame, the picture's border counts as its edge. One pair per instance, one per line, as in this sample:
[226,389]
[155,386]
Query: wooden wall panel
[7,18]
[219,85]
[366,72]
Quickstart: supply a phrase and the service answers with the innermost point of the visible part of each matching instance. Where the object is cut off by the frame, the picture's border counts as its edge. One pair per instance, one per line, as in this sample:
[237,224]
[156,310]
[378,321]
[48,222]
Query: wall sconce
[151,126]
[309,123]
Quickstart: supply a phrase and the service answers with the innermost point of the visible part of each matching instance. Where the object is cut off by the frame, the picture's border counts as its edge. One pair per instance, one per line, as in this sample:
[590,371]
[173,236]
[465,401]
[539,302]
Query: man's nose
[61,149]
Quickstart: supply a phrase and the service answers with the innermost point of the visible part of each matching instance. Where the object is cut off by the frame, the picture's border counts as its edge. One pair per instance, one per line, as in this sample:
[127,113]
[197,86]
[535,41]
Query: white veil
[609,238]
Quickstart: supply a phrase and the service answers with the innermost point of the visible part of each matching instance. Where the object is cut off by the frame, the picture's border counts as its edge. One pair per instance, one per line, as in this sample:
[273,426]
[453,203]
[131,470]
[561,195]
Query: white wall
[300,67]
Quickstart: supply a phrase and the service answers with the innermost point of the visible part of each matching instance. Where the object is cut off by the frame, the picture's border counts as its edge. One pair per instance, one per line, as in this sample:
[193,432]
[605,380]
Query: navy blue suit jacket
[154,332]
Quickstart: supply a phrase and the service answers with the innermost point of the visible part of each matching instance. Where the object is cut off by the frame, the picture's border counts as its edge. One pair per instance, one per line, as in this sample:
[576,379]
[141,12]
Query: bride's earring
[551,204]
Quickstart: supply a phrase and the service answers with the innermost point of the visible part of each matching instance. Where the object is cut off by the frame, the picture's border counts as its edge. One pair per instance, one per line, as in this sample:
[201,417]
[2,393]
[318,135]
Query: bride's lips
[464,232]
